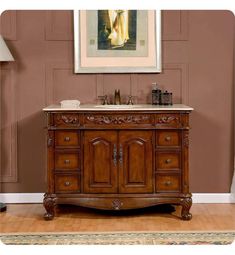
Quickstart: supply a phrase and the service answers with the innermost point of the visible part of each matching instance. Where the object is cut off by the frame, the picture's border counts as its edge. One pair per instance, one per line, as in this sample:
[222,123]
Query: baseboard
[18,198]
[198,198]
[213,198]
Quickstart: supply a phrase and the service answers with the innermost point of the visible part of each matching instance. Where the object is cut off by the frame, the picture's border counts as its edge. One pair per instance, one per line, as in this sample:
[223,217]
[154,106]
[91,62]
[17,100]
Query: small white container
[70,103]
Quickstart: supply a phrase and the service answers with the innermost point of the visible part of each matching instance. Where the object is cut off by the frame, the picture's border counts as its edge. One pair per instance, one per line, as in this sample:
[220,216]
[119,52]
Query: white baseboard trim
[198,198]
[213,198]
[18,198]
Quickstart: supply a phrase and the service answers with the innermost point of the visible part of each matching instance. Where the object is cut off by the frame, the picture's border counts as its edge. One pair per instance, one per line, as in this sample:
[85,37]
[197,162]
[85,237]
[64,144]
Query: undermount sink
[121,106]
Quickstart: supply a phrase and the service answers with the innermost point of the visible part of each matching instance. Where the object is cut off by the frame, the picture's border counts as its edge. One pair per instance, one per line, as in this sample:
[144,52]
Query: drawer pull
[49,142]
[67,139]
[67,183]
[115,155]
[168,183]
[168,161]
[167,138]
[67,161]
[120,154]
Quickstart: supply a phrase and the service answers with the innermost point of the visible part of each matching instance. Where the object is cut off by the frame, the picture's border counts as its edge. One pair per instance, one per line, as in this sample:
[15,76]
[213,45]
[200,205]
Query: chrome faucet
[117,97]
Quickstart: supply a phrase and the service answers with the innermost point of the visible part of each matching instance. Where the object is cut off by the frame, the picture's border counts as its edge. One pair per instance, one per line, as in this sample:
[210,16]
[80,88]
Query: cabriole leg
[49,202]
[186,205]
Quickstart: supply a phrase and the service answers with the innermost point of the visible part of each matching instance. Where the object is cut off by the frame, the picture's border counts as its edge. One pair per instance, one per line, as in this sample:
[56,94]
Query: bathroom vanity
[118,157]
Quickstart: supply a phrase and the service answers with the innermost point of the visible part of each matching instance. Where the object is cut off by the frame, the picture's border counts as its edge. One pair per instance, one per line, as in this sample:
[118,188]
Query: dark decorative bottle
[166,98]
[156,94]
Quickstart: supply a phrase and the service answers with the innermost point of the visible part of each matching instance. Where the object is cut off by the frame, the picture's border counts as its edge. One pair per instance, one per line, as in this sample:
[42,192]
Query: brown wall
[197,67]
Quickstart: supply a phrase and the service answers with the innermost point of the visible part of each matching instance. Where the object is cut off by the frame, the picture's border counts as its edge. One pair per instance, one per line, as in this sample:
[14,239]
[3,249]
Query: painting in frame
[117,41]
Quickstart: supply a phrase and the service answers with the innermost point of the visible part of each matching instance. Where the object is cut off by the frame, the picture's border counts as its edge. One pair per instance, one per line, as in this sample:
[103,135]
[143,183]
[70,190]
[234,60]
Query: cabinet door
[100,164]
[135,161]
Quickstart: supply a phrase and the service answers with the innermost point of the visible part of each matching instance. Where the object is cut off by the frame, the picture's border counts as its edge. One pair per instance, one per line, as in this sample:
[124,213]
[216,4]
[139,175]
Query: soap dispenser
[156,94]
[166,98]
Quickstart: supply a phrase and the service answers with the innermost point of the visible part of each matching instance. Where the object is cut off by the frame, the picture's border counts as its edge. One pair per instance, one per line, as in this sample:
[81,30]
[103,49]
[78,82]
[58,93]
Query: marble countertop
[137,107]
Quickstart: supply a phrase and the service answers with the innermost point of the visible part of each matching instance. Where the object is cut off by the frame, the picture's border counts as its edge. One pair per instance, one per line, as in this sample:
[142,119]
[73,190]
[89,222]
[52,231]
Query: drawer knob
[168,161]
[167,138]
[67,183]
[67,161]
[67,139]
[168,183]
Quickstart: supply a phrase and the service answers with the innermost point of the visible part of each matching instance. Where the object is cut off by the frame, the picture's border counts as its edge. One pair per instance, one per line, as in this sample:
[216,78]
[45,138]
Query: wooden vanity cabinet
[117,160]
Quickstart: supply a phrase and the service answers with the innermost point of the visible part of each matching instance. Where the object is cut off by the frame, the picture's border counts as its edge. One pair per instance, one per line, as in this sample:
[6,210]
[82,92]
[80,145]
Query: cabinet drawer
[168,120]
[168,138]
[168,160]
[67,183]
[168,183]
[66,120]
[66,161]
[67,138]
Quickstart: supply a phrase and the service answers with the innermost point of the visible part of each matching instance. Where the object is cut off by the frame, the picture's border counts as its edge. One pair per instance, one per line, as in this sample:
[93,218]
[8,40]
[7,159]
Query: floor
[29,218]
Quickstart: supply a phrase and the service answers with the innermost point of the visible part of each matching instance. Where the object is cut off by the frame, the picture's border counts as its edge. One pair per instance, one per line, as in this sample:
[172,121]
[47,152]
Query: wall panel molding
[55,30]
[133,84]
[183,68]
[63,31]
[180,33]
[8,25]
[9,170]
[99,85]
[53,66]
[49,76]
[184,82]
[87,84]
[179,85]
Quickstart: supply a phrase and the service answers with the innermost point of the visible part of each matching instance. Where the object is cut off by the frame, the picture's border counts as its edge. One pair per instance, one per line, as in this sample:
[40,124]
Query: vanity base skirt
[116,203]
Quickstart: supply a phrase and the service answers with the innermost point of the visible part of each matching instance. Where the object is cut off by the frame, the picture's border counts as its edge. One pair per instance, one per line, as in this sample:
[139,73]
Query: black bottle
[166,98]
[156,94]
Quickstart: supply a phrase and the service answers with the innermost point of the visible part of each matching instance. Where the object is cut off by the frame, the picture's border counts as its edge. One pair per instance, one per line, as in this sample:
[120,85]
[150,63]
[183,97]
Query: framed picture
[117,41]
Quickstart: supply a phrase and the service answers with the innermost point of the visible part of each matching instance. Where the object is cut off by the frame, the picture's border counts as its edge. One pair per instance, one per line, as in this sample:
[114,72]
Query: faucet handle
[130,100]
[105,99]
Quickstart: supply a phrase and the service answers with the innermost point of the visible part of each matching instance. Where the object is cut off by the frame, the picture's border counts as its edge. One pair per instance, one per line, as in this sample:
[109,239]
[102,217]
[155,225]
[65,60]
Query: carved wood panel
[100,161]
[168,120]
[66,120]
[135,169]
[117,119]
[135,162]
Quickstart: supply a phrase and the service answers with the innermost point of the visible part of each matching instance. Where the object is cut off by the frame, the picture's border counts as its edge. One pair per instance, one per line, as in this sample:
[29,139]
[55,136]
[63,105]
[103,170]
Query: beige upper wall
[197,67]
